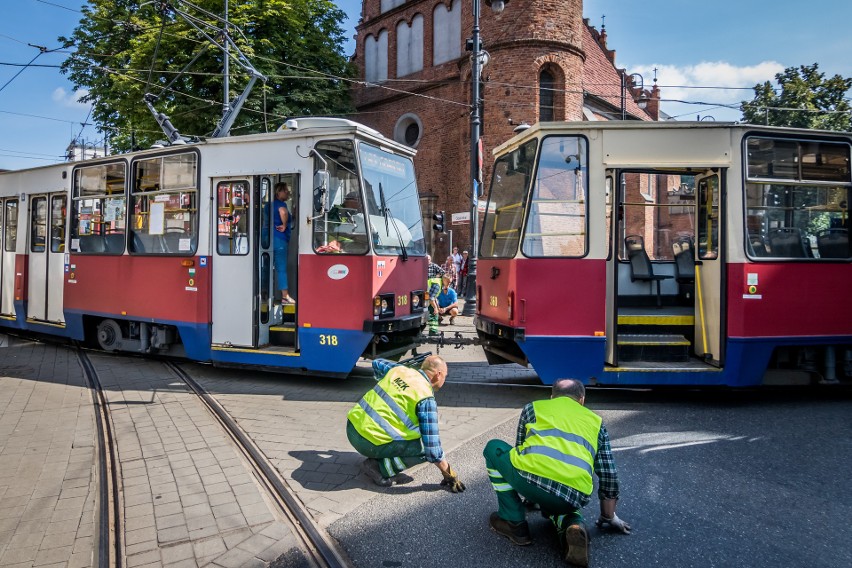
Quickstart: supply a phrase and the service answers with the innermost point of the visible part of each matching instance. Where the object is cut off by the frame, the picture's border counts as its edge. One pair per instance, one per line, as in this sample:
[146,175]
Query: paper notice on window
[156,218]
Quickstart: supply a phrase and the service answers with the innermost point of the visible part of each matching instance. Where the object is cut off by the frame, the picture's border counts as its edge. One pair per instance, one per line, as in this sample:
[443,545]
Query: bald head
[436,369]
[569,387]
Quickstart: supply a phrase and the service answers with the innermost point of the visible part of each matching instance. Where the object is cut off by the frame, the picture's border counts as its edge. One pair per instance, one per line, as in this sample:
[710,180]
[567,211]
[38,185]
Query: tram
[676,253]
[169,250]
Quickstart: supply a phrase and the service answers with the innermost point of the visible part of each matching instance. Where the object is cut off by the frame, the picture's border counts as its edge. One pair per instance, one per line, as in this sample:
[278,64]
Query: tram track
[321,550]
[109,551]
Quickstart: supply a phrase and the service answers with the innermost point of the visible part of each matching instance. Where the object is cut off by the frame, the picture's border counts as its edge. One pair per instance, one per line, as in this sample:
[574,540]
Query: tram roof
[294,128]
[545,128]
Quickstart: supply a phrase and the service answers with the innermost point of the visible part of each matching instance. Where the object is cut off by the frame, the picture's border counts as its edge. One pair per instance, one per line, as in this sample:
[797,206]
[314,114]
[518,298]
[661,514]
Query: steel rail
[109,502]
[322,549]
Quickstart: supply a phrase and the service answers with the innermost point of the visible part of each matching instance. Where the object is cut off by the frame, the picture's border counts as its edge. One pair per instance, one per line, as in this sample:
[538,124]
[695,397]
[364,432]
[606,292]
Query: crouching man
[395,425]
[559,444]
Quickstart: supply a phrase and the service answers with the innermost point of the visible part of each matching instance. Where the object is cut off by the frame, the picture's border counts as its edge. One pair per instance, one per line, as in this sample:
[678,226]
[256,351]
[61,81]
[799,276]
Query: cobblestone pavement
[189,498]
[48,457]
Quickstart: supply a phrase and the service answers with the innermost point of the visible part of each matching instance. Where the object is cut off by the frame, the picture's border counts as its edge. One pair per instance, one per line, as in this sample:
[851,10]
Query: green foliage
[804,92]
[126,48]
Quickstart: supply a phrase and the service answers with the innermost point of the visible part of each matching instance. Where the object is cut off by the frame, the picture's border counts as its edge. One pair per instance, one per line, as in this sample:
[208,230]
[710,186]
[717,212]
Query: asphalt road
[718,478]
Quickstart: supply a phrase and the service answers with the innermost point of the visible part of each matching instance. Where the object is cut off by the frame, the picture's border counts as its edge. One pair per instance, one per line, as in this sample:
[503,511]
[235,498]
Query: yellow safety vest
[561,444]
[387,412]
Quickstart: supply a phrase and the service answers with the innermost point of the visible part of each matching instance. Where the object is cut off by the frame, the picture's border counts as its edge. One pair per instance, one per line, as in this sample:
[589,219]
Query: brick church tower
[412,57]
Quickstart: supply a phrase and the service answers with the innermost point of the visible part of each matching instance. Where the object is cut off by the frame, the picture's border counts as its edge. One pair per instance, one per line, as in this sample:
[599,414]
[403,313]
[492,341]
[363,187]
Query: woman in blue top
[281,218]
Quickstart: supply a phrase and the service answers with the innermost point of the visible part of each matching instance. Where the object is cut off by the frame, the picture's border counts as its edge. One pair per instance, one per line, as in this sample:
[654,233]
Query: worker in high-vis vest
[433,287]
[559,444]
[395,425]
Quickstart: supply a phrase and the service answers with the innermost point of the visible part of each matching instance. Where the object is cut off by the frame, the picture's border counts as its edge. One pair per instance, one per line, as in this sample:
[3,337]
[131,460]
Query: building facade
[545,63]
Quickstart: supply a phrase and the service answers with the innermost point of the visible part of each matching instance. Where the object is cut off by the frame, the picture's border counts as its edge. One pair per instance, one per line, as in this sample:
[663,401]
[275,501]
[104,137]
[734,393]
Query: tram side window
[10,225]
[98,214]
[504,215]
[38,224]
[163,205]
[232,225]
[797,199]
[557,222]
[340,227]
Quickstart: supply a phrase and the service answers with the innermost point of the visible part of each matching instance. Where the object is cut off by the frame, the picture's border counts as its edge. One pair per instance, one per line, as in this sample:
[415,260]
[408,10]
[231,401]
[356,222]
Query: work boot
[370,468]
[518,533]
[576,546]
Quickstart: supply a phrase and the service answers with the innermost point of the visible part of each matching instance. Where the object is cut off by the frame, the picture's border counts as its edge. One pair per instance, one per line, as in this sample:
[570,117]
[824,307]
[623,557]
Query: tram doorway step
[283,332]
[647,347]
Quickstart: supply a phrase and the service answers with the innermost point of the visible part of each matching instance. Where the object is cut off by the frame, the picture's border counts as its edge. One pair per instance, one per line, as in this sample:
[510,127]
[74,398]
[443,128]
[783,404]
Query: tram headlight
[418,301]
[383,306]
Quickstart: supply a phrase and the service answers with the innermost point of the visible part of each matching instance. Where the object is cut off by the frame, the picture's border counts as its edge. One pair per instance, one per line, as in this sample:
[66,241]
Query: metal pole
[623,109]
[226,106]
[475,130]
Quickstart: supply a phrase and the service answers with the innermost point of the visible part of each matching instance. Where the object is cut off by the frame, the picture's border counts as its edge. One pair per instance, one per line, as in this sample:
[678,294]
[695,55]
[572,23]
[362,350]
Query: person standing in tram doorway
[559,444]
[281,218]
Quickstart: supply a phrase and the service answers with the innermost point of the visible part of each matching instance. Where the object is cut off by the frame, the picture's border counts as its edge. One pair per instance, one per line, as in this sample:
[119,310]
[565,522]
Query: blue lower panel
[331,351]
[582,358]
[565,357]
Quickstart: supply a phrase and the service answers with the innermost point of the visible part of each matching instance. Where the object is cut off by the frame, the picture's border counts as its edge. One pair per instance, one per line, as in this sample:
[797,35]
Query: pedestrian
[281,241]
[462,289]
[559,443]
[450,270]
[395,425]
[448,302]
[457,259]
[433,285]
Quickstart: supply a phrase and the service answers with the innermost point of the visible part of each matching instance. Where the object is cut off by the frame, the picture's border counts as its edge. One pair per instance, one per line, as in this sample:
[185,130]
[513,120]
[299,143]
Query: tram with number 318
[170,250]
[669,253]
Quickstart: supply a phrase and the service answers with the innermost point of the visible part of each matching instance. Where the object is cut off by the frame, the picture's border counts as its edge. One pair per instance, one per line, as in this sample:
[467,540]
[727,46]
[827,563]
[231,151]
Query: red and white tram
[675,253]
[170,250]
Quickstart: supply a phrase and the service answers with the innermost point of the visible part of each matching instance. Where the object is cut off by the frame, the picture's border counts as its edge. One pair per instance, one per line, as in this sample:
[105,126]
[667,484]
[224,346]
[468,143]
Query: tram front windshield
[390,190]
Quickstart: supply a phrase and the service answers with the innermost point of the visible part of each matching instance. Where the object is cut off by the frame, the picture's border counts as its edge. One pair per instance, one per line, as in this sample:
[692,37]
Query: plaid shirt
[604,468]
[427,414]
[435,271]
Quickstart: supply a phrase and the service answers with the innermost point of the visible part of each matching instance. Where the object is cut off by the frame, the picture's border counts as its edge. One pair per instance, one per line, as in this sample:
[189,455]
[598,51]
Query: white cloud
[683,83]
[71,99]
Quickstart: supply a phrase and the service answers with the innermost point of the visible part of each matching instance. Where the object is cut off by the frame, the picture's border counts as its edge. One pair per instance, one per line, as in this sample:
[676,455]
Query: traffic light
[439,221]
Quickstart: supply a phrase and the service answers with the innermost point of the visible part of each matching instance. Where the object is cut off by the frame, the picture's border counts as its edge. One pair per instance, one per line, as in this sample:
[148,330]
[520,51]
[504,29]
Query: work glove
[451,480]
[614,523]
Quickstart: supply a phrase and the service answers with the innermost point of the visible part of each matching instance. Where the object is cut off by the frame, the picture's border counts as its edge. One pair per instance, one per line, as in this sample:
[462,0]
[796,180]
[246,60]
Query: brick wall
[527,36]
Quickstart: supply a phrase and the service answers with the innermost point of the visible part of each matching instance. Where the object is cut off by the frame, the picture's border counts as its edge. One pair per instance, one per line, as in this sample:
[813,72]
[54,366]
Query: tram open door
[244,284]
[709,268]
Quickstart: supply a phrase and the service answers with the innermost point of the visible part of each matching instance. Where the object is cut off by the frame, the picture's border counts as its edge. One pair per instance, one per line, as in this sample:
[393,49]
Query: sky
[696,48]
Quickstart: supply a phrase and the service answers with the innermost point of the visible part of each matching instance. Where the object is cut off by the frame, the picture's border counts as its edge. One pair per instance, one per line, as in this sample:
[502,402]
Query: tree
[126,48]
[807,100]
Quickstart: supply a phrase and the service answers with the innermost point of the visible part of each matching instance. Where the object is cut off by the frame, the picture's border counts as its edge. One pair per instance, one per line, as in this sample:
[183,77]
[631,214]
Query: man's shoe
[518,533]
[370,468]
[452,320]
[441,320]
[576,545]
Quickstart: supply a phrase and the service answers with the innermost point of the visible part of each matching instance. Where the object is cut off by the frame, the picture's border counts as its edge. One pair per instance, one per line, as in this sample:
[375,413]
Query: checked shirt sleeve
[527,417]
[427,414]
[605,468]
[381,368]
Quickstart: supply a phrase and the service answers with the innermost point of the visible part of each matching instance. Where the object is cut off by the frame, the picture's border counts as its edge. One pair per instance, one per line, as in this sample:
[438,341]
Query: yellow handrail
[701,308]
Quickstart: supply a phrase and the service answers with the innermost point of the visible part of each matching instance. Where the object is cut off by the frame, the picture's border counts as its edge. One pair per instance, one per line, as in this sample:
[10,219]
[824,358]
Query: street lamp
[478,59]
[642,101]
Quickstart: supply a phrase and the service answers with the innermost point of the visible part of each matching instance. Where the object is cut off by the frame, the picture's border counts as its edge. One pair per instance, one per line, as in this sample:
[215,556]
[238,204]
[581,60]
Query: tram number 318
[328,339]
[492,301]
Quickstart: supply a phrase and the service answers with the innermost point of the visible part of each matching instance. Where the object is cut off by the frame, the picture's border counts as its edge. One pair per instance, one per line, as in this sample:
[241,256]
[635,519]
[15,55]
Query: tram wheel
[109,335]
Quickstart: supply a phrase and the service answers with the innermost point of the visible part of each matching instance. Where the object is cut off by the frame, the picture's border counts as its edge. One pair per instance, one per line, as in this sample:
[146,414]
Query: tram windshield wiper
[386,213]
